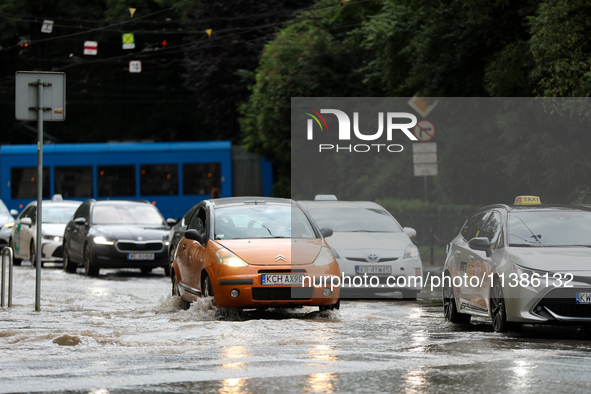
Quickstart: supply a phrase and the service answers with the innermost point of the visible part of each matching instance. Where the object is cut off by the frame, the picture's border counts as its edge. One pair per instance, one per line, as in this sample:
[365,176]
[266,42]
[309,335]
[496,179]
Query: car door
[78,233]
[485,265]
[468,295]
[21,249]
[196,251]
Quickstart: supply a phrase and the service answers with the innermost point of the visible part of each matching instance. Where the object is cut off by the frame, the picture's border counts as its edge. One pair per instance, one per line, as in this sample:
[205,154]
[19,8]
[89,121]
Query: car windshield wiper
[368,231]
[568,246]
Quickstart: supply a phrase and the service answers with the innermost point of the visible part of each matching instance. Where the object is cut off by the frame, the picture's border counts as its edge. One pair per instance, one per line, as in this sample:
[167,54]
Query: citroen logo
[280,257]
[372,257]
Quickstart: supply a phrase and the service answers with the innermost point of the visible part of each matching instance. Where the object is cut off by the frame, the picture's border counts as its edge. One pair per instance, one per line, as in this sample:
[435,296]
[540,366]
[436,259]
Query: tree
[215,65]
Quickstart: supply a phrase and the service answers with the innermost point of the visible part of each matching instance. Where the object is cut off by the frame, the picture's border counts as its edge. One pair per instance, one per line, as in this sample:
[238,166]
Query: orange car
[253,252]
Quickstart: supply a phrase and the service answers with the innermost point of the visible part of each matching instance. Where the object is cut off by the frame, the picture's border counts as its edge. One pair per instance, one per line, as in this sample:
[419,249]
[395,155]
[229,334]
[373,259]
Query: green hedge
[445,219]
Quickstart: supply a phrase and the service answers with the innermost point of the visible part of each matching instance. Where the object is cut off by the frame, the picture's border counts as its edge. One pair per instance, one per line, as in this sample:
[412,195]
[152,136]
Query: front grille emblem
[372,257]
[140,239]
[280,257]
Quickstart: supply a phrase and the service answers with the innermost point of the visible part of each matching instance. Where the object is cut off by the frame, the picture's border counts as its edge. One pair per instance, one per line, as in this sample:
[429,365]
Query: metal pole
[426,199]
[6,252]
[10,264]
[432,244]
[2,286]
[39,191]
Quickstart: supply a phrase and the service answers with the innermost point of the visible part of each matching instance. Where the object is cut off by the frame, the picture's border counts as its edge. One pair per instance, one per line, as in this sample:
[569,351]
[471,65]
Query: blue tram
[173,176]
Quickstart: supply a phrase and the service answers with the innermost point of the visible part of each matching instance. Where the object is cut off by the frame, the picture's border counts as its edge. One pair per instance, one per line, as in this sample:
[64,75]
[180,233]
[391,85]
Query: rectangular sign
[424,147]
[90,47]
[424,158]
[425,169]
[54,95]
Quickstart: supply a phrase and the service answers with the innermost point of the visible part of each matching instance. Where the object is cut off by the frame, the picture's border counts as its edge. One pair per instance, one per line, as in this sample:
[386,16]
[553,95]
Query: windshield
[549,228]
[59,214]
[373,220]
[3,209]
[261,221]
[127,214]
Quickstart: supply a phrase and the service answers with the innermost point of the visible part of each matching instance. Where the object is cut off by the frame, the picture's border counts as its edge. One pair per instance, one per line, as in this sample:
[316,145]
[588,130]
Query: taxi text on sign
[54,95]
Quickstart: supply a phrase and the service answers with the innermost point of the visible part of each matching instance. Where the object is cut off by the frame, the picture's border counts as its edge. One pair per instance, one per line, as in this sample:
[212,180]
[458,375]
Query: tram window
[73,181]
[159,179]
[23,182]
[201,178]
[115,181]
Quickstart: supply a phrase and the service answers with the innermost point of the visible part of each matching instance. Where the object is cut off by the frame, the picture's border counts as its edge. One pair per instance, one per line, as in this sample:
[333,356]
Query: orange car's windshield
[261,221]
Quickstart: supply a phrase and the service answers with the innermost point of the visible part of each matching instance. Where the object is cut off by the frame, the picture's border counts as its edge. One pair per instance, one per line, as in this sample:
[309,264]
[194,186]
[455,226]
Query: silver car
[521,264]
[55,216]
[368,241]
[6,223]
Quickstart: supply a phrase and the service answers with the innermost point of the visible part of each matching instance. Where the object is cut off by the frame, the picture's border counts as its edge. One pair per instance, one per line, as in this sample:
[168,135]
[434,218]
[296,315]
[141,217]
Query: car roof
[339,204]
[537,207]
[217,202]
[55,203]
[121,202]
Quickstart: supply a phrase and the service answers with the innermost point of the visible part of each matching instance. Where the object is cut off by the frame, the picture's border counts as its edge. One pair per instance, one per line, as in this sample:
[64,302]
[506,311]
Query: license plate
[281,279]
[583,298]
[140,256]
[373,269]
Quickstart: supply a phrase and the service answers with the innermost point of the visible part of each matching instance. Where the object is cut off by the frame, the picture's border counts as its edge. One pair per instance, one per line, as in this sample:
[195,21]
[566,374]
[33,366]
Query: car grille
[3,242]
[133,246]
[281,293]
[57,252]
[562,302]
[281,271]
[364,260]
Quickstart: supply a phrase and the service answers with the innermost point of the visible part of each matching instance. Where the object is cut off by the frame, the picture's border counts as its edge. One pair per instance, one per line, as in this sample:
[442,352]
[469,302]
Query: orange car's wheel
[176,292]
[207,289]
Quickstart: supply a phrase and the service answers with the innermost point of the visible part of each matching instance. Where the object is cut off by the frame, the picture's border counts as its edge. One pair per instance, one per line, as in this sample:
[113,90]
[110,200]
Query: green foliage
[444,219]
[313,56]
[561,47]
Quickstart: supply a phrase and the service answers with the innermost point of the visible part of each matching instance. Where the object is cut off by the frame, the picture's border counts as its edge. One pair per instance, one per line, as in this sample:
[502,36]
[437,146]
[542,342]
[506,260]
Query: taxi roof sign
[527,200]
[325,197]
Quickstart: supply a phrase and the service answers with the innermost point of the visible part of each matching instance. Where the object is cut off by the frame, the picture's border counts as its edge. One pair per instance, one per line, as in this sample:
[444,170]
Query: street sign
[425,169]
[423,105]
[54,95]
[135,66]
[128,40]
[424,130]
[90,47]
[424,157]
[427,147]
[47,26]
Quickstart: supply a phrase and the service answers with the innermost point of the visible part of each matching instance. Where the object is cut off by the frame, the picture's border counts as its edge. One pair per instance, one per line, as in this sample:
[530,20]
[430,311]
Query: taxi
[254,252]
[521,263]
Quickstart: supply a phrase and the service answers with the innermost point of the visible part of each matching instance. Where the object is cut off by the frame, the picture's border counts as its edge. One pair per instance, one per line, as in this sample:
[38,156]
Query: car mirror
[411,232]
[14,212]
[26,221]
[171,222]
[481,243]
[326,232]
[80,221]
[195,236]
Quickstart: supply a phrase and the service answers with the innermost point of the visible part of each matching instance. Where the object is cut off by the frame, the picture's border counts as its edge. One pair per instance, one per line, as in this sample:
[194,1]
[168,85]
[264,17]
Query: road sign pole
[426,199]
[39,191]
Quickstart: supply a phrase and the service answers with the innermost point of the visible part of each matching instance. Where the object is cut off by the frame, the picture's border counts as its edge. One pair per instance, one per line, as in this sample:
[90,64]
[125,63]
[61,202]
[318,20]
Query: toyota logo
[372,257]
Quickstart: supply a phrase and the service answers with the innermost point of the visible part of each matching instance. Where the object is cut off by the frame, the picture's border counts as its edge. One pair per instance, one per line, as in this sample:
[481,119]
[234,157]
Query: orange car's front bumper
[253,294]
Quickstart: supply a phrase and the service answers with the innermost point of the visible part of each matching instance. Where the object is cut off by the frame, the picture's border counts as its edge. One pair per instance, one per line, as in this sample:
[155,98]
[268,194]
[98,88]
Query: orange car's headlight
[325,257]
[228,258]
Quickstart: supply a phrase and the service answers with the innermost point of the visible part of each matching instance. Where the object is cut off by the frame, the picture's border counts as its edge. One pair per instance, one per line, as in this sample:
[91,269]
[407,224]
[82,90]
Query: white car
[6,223]
[368,241]
[56,214]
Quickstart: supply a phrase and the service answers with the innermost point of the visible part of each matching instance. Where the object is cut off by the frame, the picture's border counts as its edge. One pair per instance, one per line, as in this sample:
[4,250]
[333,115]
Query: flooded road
[122,332]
